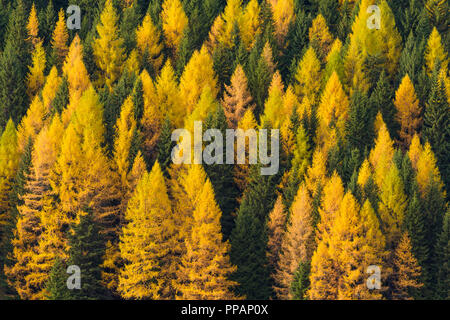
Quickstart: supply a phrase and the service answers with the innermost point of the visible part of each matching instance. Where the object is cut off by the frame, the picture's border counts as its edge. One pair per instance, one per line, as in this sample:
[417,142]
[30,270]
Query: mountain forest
[358,89]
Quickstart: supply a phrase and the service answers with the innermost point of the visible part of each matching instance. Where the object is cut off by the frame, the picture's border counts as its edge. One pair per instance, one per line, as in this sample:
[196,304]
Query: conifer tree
[237,99]
[275,230]
[307,76]
[408,111]
[443,250]
[437,128]
[86,251]
[296,245]
[435,52]
[283,15]
[250,26]
[174,22]
[9,162]
[149,45]
[35,77]
[108,47]
[27,278]
[146,243]
[56,287]
[33,26]
[14,63]
[320,37]
[381,155]
[59,40]
[206,253]
[198,73]
[407,271]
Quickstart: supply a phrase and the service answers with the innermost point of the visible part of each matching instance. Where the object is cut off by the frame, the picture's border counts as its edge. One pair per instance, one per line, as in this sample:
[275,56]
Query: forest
[358,90]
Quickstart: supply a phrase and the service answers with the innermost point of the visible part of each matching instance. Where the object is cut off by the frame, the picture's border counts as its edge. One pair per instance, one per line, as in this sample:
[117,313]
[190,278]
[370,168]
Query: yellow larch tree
[108,46]
[250,26]
[31,123]
[25,275]
[364,173]
[223,26]
[297,243]
[236,98]
[9,162]
[36,78]
[382,154]
[77,75]
[50,88]
[308,76]
[434,52]
[275,230]
[147,241]
[33,26]
[407,271]
[206,105]
[332,112]
[83,175]
[356,244]
[206,262]
[320,37]
[408,111]
[148,42]
[59,40]
[174,22]
[332,195]
[316,174]
[283,15]
[392,206]
[197,74]
[267,55]
[427,170]
[274,102]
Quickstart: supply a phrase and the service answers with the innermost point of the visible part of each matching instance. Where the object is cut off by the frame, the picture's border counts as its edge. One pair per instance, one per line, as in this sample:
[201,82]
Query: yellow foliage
[35,78]
[308,76]
[148,42]
[435,51]
[174,22]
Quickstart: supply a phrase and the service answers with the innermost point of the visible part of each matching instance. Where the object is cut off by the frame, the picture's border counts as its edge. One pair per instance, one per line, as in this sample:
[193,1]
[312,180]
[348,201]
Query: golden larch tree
[59,40]
[408,111]
[275,230]
[308,76]
[297,243]
[197,74]
[236,98]
[148,42]
[36,78]
[320,37]
[435,52]
[250,26]
[174,22]
[407,271]
[108,46]
[206,262]
[33,26]
[146,244]
[283,15]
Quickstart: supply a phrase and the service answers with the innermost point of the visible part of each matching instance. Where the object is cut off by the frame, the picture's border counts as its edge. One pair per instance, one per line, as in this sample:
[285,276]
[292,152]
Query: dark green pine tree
[437,127]
[7,230]
[249,238]
[411,59]
[61,99]
[47,21]
[248,253]
[301,281]
[57,283]
[259,77]
[165,146]
[434,207]
[407,173]
[409,16]
[424,25]
[414,223]
[360,125]
[443,249]
[381,100]
[131,17]
[5,7]
[14,63]
[221,176]
[154,9]
[86,251]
